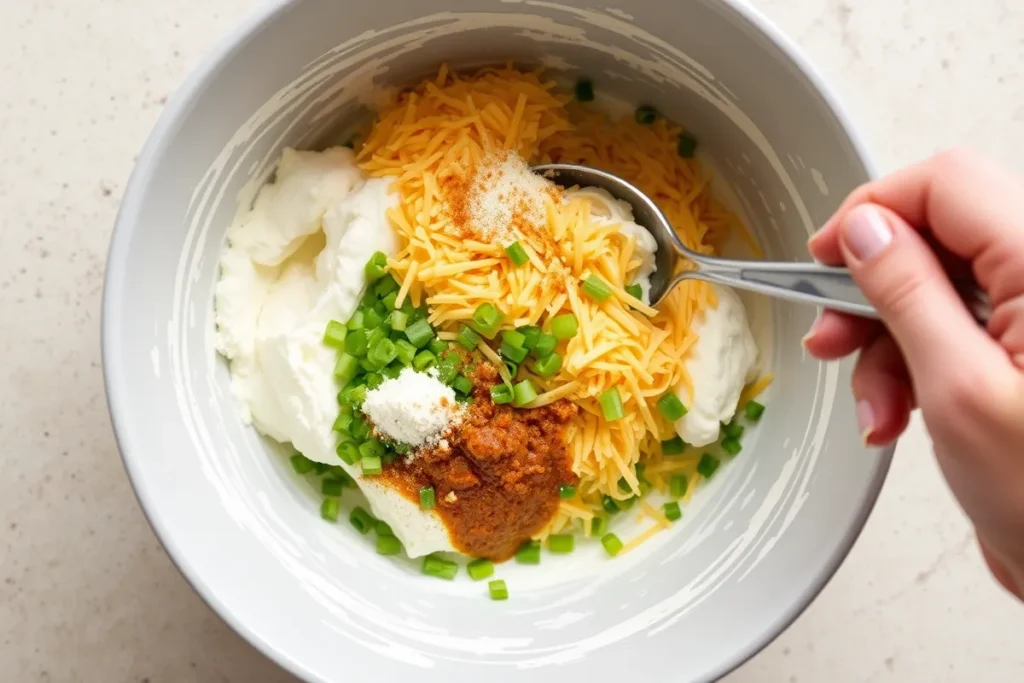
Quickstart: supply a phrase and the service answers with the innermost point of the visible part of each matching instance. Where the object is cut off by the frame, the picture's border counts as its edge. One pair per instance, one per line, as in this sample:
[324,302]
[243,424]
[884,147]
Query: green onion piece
[372,448]
[376,337]
[487,320]
[598,526]
[673,446]
[624,485]
[329,509]
[346,367]
[611,405]
[427,500]
[383,353]
[498,590]
[646,115]
[371,465]
[687,146]
[514,338]
[516,354]
[544,346]
[754,411]
[671,407]
[564,326]
[529,553]
[390,301]
[419,333]
[566,491]
[610,505]
[356,342]
[547,367]
[626,504]
[388,457]
[462,384]
[468,338]
[437,346]
[635,291]
[731,446]
[362,520]
[373,380]
[531,333]
[405,352]
[301,464]
[517,254]
[376,267]
[382,528]
[360,430]
[372,319]
[334,335]
[511,367]
[596,288]
[612,544]
[348,452]
[448,368]
[344,419]
[479,570]
[320,468]
[672,511]
[398,320]
[502,393]
[523,393]
[386,287]
[733,430]
[584,90]
[393,370]
[561,543]
[677,485]
[332,487]
[368,366]
[423,360]
[355,322]
[707,465]
[439,568]
[353,395]
[388,545]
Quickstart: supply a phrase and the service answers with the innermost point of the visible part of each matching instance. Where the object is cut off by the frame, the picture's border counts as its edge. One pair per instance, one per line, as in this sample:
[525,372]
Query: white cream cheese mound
[293,263]
[414,408]
[722,362]
[607,208]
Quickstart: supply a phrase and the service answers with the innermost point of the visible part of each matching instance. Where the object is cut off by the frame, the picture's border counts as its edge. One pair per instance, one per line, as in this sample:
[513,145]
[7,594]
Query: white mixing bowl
[753,549]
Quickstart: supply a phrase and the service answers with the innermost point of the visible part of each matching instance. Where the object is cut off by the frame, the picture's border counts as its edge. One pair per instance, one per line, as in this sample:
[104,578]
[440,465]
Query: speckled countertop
[86,592]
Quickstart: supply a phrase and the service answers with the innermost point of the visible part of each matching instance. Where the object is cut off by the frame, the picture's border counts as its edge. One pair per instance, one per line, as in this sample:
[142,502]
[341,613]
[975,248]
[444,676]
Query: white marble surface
[87,594]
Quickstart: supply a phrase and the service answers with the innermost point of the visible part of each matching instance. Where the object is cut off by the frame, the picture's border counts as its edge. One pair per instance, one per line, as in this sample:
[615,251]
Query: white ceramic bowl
[755,547]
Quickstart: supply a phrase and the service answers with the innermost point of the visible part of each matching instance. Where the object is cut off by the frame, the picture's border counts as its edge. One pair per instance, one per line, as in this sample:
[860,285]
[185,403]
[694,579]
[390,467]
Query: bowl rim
[124,226]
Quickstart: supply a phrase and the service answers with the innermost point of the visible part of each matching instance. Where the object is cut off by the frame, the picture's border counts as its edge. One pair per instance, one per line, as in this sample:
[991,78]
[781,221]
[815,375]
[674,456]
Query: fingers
[835,335]
[1007,327]
[999,570]
[881,386]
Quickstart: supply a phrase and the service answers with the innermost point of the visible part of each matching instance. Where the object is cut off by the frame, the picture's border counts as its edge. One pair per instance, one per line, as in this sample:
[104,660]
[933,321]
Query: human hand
[928,351]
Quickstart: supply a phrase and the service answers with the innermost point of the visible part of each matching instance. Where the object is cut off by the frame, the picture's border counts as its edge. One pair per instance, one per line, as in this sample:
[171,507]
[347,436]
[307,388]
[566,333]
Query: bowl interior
[753,548]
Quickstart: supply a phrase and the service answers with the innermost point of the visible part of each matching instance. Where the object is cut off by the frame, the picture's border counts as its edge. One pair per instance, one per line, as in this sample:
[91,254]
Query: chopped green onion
[360,429]
[389,303]
[610,505]
[635,291]
[402,448]
[372,448]
[388,457]
[362,520]
[544,346]
[376,337]
[511,367]
[487,320]
[354,394]
[348,452]
[707,465]
[611,405]
[386,287]
[368,366]
[382,528]
[687,146]
[671,407]
[301,464]
[754,411]
[731,446]
[373,380]
[547,367]
[596,288]
[513,353]
[626,504]
[372,319]
[355,322]
[677,485]
[376,267]
[437,346]
[427,500]
[448,368]
[584,90]
[346,367]
[388,545]
[517,254]
[513,338]
[529,553]
[398,320]
[329,509]
[405,351]
[733,430]
[462,384]
[564,326]
[332,487]
[502,393]
[612,544]
[673,446]
[531,333]
[672,511]
[334,335]
[561,543]
[356,342]
[498,590]
[419,333]
[598,526]
[468,338]
[423,360]
[566,491]
[371,465]
[479,570]
[624,485]
[393,370]
[319,468]
[344,419]
[646,115]
[383,353]
[523,393]
[440,568]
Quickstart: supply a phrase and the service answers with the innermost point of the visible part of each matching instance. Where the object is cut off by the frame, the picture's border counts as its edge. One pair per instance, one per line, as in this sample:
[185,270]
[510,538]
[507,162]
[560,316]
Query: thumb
[902,277]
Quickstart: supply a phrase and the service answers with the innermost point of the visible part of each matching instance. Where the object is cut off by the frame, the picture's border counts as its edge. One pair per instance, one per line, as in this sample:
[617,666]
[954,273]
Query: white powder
[506,196]
[414,408]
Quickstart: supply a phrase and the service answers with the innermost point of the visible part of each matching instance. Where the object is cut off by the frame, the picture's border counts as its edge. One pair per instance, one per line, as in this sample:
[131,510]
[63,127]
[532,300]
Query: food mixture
[473,346]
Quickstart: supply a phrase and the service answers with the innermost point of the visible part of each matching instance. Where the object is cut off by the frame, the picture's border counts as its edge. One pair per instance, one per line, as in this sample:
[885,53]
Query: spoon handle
[816,284]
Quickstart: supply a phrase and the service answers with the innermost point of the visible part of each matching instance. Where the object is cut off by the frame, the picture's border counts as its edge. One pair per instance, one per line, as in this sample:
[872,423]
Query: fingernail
[865,420]
[815,326]
[866,232]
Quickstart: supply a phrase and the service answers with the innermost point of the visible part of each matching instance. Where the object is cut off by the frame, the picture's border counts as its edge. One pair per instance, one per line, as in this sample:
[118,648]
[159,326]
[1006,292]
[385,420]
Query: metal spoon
[805,282]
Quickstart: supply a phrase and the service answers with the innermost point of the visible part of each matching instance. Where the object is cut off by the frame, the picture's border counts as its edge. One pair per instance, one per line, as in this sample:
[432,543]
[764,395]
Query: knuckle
[956,160]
